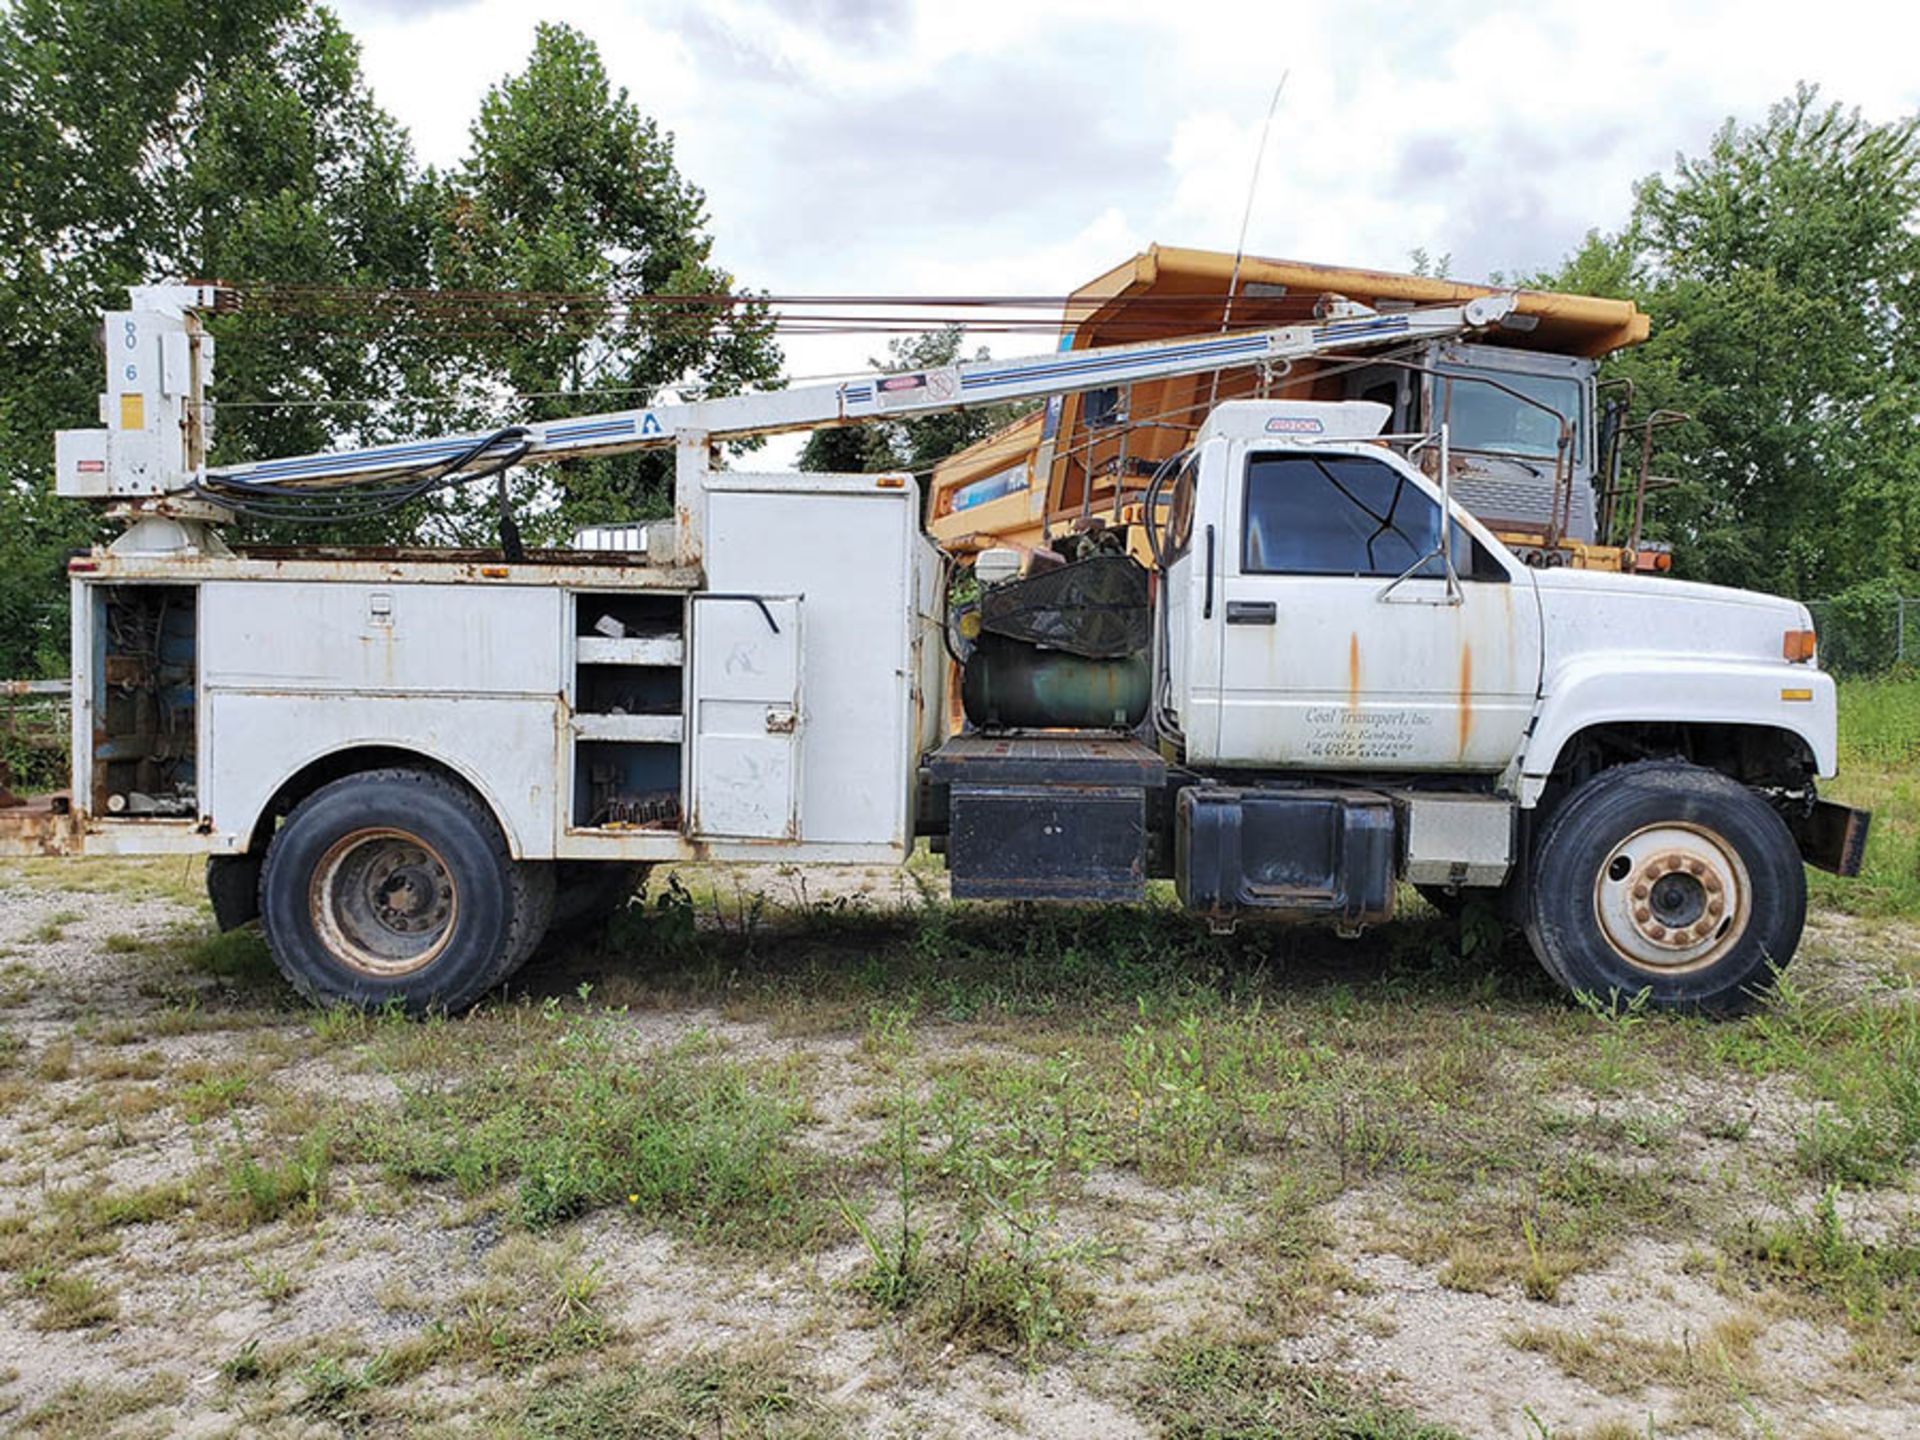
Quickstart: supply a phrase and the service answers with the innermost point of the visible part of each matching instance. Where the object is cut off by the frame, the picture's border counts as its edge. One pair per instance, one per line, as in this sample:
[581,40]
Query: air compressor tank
[1008,684]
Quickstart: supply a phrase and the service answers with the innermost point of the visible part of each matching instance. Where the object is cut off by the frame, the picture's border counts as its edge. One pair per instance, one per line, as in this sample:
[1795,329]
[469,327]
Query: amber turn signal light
[1797,645]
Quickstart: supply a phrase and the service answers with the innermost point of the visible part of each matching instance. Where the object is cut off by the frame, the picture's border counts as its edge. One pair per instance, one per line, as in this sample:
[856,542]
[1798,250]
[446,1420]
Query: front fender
[1615,690]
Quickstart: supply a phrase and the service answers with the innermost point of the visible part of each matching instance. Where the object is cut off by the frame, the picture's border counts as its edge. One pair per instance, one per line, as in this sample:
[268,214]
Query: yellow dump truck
[1532,444]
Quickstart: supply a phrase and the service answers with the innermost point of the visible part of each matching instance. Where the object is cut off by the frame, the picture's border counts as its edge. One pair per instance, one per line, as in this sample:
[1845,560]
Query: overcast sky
[917,146]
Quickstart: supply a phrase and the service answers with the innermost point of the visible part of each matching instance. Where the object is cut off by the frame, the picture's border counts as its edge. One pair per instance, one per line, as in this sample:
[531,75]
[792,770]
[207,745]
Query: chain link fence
[1867,633]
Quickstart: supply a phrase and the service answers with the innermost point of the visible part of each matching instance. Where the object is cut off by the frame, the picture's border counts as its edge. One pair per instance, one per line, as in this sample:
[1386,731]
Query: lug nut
[1657,932]
[1642,914]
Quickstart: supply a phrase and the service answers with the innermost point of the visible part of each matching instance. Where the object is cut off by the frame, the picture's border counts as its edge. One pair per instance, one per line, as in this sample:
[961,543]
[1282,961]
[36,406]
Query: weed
[703,1394]
[336,1389]
[1001,1279]
[894,1278]
[70,1302]
[576,1126]
[259,1191]
[1616,1063]
[85,1411]
[1202,1388]
[1183,1112]
[1873,1286]
[209,1091]
[272,1281]
[666,927]
[244,1364]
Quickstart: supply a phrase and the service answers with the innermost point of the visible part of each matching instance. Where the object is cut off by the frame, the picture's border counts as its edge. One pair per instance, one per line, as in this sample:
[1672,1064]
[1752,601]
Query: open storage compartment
[145,701]
[629,698]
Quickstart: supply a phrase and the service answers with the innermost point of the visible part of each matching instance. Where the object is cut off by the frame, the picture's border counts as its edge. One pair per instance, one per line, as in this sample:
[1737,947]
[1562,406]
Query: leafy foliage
[570,190]
[236,140]
[1780,272]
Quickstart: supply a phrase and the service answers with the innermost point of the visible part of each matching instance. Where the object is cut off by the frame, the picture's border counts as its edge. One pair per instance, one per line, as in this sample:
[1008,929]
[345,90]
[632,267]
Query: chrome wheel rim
[1672,898]
[383,902]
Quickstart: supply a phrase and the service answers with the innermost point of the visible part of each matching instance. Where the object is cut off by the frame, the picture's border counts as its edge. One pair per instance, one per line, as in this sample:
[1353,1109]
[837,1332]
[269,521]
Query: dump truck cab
[1533,452]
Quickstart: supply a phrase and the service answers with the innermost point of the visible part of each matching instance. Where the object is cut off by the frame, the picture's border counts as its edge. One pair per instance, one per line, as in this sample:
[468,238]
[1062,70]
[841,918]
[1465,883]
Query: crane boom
[162,370]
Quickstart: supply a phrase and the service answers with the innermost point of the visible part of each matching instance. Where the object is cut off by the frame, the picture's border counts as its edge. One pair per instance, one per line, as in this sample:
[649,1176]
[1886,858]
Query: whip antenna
[1246,218]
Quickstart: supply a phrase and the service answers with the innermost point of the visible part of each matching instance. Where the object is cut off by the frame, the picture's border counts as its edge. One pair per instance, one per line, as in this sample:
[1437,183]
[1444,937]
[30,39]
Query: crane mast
[150,459]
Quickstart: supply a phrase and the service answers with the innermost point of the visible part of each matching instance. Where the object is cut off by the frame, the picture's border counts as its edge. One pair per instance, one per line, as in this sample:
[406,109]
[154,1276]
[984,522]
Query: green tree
[236,140]
[1780,270]
[229,139]
[569,199]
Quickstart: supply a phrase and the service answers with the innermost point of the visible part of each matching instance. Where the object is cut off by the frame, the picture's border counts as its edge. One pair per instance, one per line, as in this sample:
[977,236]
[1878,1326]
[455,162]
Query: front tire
[396,887]
[1668,879]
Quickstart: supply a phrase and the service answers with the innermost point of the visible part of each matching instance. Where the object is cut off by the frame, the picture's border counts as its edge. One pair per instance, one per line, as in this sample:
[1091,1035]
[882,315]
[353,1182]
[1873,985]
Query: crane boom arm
[87,458]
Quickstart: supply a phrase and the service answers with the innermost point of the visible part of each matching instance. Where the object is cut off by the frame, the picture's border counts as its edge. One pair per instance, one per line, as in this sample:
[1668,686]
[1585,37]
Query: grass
[68,1301]
[1880,770]
[706,1393]
[574,1124]
[1617,1363]
[1042,1131]
[1206,1388]
[85,1411]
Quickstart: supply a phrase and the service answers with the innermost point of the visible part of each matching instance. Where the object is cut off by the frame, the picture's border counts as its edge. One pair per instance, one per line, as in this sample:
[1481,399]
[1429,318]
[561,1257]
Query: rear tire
[396,887]
[1668,879]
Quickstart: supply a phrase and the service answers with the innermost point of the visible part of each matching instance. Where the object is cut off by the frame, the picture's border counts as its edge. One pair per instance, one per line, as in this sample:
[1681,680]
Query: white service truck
[409,765]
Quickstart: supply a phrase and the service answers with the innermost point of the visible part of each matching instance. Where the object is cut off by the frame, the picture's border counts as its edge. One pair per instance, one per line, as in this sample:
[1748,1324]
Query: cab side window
[1345,515]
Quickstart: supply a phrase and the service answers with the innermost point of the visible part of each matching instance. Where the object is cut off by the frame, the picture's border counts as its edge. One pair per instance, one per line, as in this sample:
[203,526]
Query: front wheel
[396,886]
[1667,879]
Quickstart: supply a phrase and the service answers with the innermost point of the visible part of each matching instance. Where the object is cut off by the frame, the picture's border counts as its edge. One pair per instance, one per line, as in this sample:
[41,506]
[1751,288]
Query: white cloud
[1005,146]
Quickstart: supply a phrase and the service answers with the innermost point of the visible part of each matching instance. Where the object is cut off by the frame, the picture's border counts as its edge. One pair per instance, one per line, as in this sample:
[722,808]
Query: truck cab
[1357,682]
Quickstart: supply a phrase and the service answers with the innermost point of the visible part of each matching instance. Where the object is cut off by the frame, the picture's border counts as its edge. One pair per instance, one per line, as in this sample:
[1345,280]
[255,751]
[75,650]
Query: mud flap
[1832,837]
[233,887]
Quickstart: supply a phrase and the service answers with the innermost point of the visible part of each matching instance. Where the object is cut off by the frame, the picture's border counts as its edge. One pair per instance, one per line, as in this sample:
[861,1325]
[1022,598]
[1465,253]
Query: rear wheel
[1669,879]
[396,886]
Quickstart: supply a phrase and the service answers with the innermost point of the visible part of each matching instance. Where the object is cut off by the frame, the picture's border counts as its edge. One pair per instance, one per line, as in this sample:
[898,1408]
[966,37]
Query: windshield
[1481,417]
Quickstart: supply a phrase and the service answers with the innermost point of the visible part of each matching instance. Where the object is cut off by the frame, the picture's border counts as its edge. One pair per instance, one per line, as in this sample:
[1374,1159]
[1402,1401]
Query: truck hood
[1586,610]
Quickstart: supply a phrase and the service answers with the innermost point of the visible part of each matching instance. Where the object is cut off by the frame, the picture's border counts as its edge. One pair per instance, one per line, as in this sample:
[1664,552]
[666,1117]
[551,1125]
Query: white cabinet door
[746,716]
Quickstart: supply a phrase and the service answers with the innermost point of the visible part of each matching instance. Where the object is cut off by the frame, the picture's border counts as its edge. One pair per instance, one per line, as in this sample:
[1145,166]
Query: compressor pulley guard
[1097,608]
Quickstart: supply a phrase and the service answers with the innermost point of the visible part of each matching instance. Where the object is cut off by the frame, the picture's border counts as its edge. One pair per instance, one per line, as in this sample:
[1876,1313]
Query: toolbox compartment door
[746,716]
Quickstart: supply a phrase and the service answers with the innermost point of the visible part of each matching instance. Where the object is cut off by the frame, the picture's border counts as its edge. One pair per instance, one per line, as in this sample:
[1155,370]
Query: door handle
[1251,612]
[782,722]
[1206,610]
